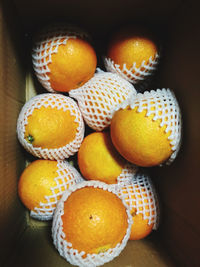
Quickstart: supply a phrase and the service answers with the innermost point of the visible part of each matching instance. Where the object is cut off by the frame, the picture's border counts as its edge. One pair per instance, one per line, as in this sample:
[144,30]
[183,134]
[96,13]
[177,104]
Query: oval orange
[94,220]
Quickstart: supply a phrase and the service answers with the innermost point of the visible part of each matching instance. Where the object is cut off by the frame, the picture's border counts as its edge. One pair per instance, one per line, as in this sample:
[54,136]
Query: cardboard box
[27,242]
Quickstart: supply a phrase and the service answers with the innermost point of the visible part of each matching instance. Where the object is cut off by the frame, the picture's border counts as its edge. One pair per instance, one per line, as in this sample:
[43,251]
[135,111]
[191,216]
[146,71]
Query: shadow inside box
[36,248]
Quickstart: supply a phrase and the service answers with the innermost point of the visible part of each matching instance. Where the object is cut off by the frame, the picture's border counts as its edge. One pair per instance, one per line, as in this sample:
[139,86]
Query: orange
[140,226]
[49,127]
[132,45]
[42,183]
[63,58]
[94,220]
[102,94]
[98,159]
[139,138]
[73,65]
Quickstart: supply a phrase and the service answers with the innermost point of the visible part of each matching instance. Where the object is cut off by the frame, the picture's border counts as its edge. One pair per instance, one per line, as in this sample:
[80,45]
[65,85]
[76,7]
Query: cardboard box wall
[26,242]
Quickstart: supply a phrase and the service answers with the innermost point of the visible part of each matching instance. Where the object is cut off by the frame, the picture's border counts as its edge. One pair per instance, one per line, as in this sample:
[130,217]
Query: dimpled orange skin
[72,66]
[140,228]
[94,220]
[50,128]
[36,182]
[98,159]
[139,139]
[132,45]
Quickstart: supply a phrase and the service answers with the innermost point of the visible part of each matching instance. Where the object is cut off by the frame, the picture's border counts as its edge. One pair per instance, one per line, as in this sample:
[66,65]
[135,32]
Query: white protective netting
[140,195]
[67,176]
[46,44]
[65,248]
[97,98]
[163,104]
[57,101]
[134,74]
[127,174]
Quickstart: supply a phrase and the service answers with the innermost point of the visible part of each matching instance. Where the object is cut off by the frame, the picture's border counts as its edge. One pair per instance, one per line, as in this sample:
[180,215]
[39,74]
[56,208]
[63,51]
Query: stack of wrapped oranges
[104,197]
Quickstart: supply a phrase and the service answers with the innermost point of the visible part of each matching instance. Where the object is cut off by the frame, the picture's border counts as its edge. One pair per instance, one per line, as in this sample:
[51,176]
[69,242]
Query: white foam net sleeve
[57,101]
[100,96]
[65,248]
[133,75]
[127,174]
[67,176]
[140,195]
[164,106]
[46,43]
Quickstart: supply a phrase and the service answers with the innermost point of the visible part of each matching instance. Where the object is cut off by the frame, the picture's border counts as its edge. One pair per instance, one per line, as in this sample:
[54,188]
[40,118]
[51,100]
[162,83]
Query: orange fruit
[140,197]
[146,132]
[42,184]
[100,96]
[63,58]
[140,228]
[98,159]
[149,142]
[129,49]
[51,126]
[131,46]
[94,220]
[55,127]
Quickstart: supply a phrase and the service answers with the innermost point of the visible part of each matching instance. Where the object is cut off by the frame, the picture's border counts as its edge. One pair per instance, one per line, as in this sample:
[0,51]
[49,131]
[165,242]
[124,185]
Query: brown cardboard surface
[36,249]
[178,184]
[180,238]
[11,162]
